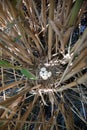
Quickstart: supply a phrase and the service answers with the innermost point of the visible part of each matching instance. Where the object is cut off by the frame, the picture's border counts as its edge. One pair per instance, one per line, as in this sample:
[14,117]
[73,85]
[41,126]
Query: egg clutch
[44,74]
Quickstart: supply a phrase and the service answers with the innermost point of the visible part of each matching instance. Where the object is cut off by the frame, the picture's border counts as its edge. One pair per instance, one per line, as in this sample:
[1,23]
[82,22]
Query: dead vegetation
[33,35]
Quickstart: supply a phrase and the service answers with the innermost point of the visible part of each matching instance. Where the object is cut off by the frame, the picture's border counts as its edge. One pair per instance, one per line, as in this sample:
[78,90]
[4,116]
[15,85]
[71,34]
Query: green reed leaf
[75,11]
[28,74]
[6,64]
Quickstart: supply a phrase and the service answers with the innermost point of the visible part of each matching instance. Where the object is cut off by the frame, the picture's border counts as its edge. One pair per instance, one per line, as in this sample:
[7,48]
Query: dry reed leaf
[12,85]
[50,31]
[25,116]
[80,80]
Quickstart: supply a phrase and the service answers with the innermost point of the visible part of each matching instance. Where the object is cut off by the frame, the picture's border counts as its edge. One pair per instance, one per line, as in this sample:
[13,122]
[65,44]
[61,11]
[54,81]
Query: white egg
[49,74]
[40,73]
[44,75]
[43,69]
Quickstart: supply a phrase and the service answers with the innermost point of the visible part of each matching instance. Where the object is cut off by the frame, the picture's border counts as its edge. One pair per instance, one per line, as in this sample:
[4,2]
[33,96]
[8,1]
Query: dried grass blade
[44,13]
[12,85]
[25,116]
[60,35]
[50,31]
[80,80]
[68,117]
